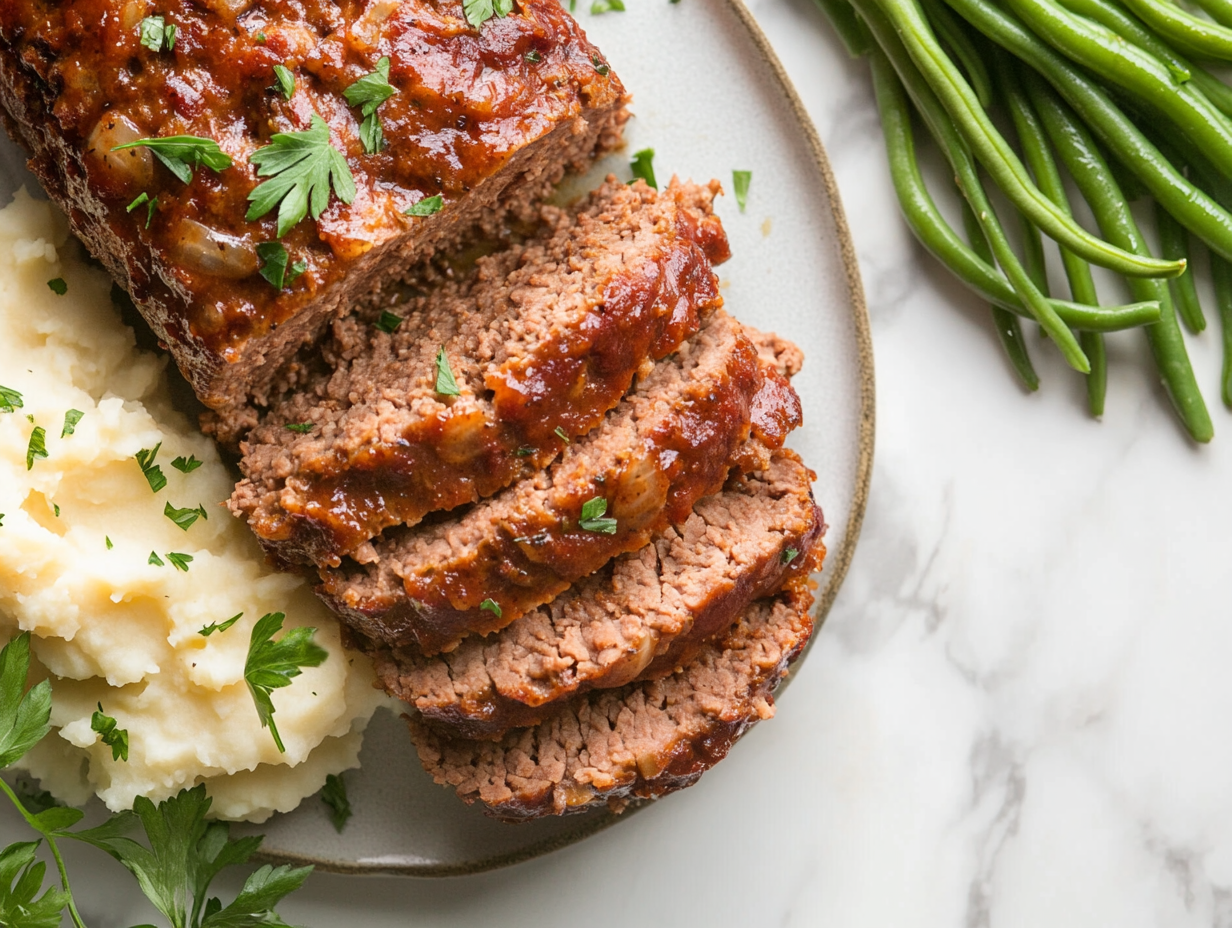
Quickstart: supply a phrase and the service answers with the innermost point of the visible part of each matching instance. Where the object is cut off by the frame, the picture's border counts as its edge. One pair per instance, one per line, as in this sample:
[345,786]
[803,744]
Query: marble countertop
[1016,713]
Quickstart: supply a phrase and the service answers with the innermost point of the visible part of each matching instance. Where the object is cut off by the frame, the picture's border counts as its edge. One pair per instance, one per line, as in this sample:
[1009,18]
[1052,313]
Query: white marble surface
[1017,713]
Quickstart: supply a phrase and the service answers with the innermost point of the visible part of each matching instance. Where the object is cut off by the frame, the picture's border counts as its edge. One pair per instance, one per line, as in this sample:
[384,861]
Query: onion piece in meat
[208,251]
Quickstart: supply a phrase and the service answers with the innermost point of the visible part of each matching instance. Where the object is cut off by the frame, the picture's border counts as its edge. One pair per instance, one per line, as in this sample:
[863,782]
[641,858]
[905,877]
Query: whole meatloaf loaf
[353,116]
[642,616]
[670,442]
[541,340]
[640,741]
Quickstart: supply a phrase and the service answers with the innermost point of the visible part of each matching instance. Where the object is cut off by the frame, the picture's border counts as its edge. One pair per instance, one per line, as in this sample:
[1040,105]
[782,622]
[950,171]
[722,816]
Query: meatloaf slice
[542,338]
[643,740]
[644,614]
[670,442]
[486,118]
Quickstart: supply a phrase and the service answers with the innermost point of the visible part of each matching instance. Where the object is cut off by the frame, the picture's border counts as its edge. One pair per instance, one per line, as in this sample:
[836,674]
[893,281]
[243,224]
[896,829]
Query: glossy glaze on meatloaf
[487,118]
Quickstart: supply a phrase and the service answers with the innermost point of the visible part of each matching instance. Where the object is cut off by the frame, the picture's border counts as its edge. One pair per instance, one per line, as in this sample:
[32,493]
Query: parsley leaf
[388,322]
[107,539]
[334,795]
[740,184]
[607,6]
[425,207]
[153,473]
[642,166]
[789,555]
[155,560]
[220,626]
[186,465]
[285,80]
[368,93]
[274,268]
[301,167]
[71,418]
[600,66]
[533,56]
[10,400]
[179,561]
[33,799]
[561,434]
[24,719]
[115,738]
[21,878]
[593,520]
[479,12]
[58,286]
[184,518]
[273,664]
[150,207]
[156,34]
[446,385]
[37,447]
[491,606]
[181,153]
[524,452]
[302,427]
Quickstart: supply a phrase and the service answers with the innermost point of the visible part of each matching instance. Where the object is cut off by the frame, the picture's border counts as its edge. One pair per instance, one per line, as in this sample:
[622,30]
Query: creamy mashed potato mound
[108,626]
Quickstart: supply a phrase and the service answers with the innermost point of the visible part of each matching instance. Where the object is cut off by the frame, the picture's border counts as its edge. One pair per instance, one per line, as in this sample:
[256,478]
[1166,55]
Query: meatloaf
[542,339]
[670,442]
[640,741]
[643,615]
[486,118]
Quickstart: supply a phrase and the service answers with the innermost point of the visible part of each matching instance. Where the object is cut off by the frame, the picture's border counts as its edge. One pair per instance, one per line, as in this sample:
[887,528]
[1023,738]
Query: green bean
[1190,206]
[851,31]
[1172,242]
[1001,162]
[1219,10]
[1174,24]
[1033,254]
[935,234]
[950,31]
[1221,271]
[1130,28]
[967,177]
[1032,139]
[1006,324]
[1087,166]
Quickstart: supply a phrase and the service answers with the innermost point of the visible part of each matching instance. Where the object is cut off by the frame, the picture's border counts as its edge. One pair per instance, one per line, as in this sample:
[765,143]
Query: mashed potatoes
[80,540]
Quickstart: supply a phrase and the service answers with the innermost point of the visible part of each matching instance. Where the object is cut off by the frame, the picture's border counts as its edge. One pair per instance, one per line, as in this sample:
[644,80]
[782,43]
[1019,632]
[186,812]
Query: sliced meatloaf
[542,339]
[487,118]
[640,741]
[668,444]
[644,614]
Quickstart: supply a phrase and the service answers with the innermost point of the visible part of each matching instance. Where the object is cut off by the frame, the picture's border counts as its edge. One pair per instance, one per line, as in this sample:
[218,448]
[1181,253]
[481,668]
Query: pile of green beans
[1019,93]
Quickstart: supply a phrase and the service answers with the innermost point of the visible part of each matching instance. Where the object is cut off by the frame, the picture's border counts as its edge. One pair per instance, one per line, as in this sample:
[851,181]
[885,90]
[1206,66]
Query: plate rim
[837,561]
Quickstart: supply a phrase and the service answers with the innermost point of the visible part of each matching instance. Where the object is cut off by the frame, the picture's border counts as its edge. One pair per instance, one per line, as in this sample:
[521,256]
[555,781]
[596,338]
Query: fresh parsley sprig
[181,153]
[273,664]
[368,93]
[301,167]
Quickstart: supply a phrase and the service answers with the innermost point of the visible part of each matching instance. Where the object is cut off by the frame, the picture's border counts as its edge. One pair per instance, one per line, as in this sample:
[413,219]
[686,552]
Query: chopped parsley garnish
[479,12]
[71,418]
[155,559]
[186,465]
[273,664]
[1,519]
[274,261]
[388,322]
[181,153]
[560,433]
[37,447]
[156,34]
[184,518]
[789,555]
[301,167]
[10,400]
[55,508]
[426,207]
[334,795]
[740,184]
[219,626]
[107,538]
[600,65]
[533,56]
[261,37]
[153,473]
[491,606]
[593,519]
[607,6]
[368,93]
[151,205]
[115,738]
[525,452]
[302,427]
[285,81]
[446,385]
[179,561]
[58,286]
[642,166]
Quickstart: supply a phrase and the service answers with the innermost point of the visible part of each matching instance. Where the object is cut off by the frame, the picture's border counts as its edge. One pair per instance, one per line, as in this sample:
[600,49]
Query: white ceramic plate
[709,97]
